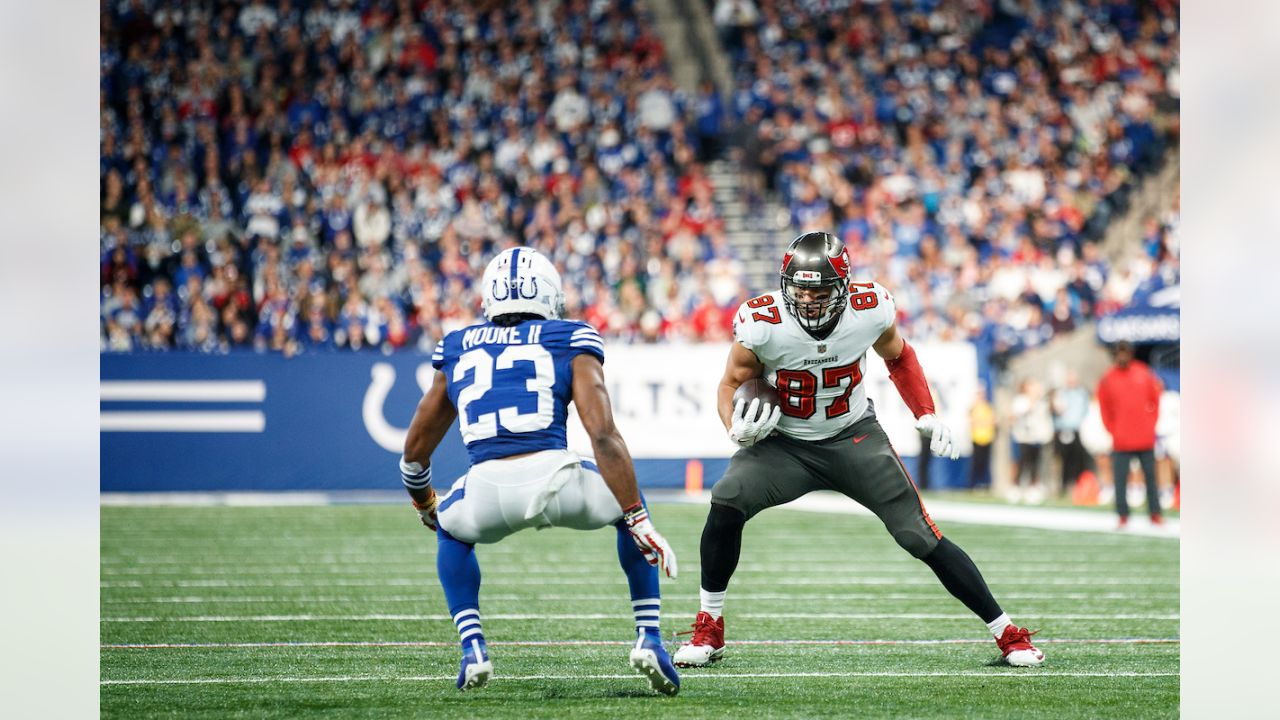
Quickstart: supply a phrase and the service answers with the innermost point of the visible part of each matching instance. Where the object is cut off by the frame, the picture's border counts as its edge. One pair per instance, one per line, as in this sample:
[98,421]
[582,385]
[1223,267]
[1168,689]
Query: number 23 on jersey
[486,368]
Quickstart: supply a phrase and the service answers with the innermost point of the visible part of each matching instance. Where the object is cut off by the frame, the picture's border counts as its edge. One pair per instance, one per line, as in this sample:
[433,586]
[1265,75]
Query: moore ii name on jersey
[512,385]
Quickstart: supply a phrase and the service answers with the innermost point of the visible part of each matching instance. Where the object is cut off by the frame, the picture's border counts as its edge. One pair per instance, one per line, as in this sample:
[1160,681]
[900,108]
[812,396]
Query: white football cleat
[476,667]
[1016,648]
[707,644]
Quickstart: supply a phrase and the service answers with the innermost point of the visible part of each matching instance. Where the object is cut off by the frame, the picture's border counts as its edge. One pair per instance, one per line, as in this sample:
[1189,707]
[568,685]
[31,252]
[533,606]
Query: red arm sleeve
[908,377]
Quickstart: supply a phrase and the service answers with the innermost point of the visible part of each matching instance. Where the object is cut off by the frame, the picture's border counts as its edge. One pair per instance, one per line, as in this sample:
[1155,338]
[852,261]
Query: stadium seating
[971,154]
[296,176]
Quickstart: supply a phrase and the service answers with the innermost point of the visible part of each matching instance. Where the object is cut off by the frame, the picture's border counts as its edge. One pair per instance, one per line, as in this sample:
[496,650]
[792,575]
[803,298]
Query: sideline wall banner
[336,421]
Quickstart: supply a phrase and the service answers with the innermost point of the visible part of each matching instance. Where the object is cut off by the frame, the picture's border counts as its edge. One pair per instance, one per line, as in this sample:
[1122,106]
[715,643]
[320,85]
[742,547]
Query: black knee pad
[720,547]
[917,543]
[723,517]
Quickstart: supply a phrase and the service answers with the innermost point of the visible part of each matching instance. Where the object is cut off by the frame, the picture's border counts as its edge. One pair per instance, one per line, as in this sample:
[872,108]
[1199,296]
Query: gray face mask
[815,316]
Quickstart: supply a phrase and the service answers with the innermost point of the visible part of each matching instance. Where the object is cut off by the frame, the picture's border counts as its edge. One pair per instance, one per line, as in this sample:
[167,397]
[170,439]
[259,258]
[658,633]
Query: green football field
[335,611]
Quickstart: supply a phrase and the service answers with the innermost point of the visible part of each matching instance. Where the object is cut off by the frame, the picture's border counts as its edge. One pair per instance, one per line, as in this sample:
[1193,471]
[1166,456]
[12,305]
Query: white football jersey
[819,381]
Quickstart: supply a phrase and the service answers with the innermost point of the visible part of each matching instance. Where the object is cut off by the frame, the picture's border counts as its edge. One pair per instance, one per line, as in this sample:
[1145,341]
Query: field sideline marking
[1017,674]
[609,643]
[745,597]
[616,616]
[515,582]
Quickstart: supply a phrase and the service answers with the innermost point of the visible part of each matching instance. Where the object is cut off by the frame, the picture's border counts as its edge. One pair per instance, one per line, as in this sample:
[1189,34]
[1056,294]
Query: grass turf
[221,583]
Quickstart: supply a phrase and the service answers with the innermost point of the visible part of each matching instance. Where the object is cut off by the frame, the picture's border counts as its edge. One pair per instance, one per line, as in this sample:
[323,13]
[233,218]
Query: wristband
[635,514]
[414,476]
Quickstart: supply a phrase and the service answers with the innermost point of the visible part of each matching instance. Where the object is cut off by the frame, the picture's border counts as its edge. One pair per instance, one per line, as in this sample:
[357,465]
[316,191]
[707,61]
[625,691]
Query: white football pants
[552,488]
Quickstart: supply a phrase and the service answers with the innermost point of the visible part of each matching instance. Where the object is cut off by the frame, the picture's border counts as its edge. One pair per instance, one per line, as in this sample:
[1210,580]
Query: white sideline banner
[664,398]
[952,371]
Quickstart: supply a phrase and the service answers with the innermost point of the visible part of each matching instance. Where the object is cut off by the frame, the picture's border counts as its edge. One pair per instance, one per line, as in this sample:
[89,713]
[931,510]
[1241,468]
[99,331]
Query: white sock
[998,625]
[712,602]
[468,624]
[647,612]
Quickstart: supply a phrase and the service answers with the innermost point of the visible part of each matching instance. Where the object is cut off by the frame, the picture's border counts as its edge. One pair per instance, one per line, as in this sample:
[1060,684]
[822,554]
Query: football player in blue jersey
[509,381]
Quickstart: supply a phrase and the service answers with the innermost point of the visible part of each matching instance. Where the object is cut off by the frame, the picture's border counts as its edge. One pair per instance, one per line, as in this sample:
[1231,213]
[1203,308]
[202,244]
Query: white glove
[746,432]
[656,549]
[939,435]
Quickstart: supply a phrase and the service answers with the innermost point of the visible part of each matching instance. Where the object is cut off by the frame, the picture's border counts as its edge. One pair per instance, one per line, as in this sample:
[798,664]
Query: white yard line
[430,581]
[306,617]
[611,643]
[615,597]
[780,570]
[517,560]
[1022,516]
[688,677]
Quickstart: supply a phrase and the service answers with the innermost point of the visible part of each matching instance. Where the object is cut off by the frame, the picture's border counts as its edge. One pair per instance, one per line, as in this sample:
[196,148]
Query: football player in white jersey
[810,341]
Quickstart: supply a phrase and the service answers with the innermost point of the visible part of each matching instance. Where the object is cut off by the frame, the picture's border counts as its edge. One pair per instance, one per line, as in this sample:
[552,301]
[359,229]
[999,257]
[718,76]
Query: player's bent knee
[725,517]
[919,544]
[726,491]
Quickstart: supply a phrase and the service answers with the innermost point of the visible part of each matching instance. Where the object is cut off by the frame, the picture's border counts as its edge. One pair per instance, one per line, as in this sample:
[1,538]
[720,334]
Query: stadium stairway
[1154,198]
[757,235]
[681,55]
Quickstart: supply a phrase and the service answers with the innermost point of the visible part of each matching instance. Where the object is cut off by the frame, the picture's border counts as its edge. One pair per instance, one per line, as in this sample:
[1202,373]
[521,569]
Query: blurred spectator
[1070,405]
[732,18]
[1129,400]
[1032,429]
[982,427]
[709,122]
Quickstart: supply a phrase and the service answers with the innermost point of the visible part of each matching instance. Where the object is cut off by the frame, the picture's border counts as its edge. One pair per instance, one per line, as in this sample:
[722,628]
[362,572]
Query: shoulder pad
[440,353]
[754,321]
[884,309]
[573,335]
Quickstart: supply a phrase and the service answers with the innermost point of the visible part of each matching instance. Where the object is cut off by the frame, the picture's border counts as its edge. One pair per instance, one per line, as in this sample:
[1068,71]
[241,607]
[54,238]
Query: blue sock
[642,578]
[460,576]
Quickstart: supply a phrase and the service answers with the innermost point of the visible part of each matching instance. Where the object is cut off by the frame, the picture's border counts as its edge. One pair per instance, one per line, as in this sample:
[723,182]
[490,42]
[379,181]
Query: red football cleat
[1016,648]
[707,644]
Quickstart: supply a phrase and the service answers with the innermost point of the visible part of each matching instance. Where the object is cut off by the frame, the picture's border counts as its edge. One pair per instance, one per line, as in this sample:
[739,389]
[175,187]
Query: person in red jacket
[1129,399]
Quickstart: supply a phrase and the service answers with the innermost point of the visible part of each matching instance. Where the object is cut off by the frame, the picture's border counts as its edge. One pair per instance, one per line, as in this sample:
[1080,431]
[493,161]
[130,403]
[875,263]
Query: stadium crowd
[303,175]
[970,153]
[297,175]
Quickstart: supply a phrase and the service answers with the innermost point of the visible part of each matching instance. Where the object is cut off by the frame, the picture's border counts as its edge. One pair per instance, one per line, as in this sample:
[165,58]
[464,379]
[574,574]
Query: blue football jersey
[512,385]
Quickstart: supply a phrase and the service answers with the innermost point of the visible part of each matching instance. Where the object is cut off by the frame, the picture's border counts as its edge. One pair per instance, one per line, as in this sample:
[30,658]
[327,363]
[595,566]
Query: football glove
[746,432]
[427,510]
[656,549]
[940,442]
